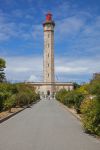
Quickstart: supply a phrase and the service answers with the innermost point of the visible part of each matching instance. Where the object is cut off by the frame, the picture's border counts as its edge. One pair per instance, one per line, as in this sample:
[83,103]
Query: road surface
[47,125]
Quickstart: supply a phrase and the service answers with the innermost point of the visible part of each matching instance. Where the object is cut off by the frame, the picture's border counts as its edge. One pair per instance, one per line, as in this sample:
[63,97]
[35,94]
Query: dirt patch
[5,114]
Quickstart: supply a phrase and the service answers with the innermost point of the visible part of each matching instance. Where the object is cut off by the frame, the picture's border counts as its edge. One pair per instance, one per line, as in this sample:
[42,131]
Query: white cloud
[21,68]
[77,66]
[18,70]
[69,26]
[71,70]
[31,68]
[10,29]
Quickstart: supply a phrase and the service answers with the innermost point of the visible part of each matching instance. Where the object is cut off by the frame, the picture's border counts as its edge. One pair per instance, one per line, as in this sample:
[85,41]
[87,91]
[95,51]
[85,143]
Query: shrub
[60,95]
[6,90]
[1,101]
[78,98]
[72,98]
[90,110]
[95,86]
[22,99]
[9,102]
[69,99]
[3,96]
[24,95]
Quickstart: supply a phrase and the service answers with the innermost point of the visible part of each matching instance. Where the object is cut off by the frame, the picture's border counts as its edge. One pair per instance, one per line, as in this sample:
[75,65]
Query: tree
[76,85]
[2,66]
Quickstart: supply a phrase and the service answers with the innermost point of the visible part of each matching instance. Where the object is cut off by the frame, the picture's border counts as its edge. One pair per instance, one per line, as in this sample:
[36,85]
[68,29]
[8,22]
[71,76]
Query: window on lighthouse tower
[48,45]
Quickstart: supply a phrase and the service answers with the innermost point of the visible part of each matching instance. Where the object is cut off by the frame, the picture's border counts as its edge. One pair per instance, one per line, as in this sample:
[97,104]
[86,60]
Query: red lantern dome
[49,17]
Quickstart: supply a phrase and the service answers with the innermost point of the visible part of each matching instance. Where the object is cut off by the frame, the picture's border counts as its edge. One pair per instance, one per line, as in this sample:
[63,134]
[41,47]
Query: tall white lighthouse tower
[49,86]
[48,65]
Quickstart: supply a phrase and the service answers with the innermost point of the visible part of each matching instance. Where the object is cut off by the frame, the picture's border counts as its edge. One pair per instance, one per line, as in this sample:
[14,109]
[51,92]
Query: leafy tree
[2,66]
[76,85]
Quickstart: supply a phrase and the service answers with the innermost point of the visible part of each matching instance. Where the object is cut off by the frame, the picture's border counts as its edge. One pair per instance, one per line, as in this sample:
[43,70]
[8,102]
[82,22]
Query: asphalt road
[47,125]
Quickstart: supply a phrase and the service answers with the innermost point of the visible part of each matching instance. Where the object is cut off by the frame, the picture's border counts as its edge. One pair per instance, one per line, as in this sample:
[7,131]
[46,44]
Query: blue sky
[77,38]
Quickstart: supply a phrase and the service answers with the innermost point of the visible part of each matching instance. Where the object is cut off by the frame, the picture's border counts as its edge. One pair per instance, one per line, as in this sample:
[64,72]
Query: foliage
[76,85]
[90,109]
[1,100]
[72,98]
[9,102]
[95,86]
[2,66]
[61,95]
[79,95]
[14,94]
[26,95]
[78,98]
[69,99]
[17,94]
[3,96]
[7,87]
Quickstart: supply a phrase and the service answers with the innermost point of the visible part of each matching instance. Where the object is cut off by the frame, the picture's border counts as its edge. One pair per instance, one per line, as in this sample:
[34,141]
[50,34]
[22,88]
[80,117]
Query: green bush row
[86,100]
[71,98]
[90,109]
[12,95]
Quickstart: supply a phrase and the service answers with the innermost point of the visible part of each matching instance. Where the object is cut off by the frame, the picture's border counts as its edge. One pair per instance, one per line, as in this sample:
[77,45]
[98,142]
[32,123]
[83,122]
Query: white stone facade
[42,87]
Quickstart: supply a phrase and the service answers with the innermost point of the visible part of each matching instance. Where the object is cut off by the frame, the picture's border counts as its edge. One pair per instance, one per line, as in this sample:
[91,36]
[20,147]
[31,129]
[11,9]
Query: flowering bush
[90,109]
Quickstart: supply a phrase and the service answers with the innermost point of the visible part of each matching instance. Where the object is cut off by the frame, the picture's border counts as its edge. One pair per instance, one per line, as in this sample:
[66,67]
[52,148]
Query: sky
[76,41]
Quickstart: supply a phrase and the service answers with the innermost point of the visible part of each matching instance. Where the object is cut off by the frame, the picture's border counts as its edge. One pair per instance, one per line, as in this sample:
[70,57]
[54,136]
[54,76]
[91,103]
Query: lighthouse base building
[45,89]
[49,86]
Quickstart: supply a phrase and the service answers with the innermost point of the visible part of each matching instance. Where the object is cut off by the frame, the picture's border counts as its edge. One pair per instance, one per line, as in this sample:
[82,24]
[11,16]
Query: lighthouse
[48,87]
[48,61]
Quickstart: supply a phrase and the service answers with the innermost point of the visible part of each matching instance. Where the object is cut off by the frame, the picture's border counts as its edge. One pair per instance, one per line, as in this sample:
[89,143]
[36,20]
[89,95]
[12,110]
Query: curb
[8,117]
[79,118]
[11,115]
[75,115]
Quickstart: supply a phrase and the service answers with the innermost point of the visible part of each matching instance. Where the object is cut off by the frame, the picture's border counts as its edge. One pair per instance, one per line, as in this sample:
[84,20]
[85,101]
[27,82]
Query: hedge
[90,109]
[16,95]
